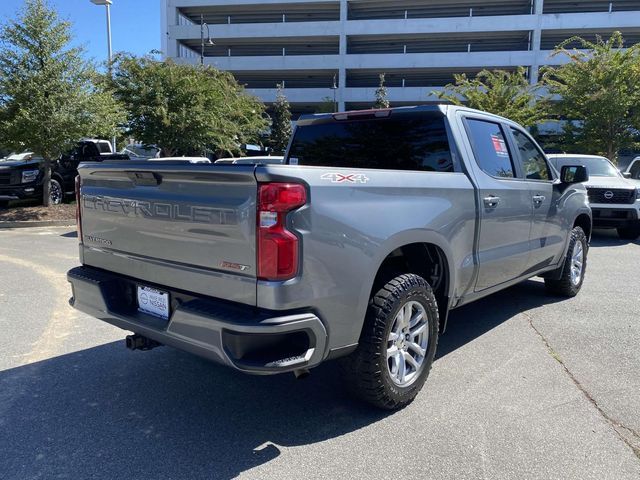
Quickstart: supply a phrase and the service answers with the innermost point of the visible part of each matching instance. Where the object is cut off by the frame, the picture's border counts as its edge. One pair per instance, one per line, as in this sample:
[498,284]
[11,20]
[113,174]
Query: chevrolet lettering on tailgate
[161,210]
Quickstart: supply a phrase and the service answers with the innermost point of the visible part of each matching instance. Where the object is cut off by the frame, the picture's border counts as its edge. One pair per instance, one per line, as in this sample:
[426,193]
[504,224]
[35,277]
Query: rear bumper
[246,338]
[613,217]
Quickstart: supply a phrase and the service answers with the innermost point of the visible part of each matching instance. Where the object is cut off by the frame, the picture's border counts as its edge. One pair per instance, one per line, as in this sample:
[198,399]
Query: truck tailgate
[188,227]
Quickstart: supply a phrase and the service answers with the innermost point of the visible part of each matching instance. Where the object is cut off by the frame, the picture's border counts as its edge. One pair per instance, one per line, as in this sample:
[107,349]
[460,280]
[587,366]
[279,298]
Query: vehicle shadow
[109,413]
[31,202]
[474,320]
[609,238]
[106,412]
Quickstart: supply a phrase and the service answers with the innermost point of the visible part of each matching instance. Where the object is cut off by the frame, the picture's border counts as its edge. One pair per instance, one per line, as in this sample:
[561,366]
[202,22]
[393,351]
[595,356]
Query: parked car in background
[65,169]
[264,160]
[104,146]
[138,151]
[378,224]
[22,175]
[614,200]
[633,170]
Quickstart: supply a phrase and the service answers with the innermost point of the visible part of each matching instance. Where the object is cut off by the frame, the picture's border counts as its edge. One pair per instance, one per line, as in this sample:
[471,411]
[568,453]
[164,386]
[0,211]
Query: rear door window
[398,142]
[490,148]
[533,162]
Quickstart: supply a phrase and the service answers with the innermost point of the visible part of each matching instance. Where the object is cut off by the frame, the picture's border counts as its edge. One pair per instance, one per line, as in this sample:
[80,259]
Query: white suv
[614,200]
[633,170]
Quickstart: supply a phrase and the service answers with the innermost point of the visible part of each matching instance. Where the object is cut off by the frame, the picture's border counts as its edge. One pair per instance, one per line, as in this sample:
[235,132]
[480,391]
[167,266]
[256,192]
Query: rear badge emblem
[102,241]
[234,266]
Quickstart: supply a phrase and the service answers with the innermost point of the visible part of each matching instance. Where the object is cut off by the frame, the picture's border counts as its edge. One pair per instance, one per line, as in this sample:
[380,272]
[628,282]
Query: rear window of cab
[416,141]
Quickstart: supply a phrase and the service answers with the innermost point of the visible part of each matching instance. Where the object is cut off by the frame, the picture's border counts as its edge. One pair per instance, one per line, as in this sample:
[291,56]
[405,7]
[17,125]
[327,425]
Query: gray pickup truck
[378,224]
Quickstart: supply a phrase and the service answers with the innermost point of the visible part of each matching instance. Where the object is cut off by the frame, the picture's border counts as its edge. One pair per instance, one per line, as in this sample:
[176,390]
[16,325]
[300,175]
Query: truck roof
[313,117]
[573,155]
[442,107]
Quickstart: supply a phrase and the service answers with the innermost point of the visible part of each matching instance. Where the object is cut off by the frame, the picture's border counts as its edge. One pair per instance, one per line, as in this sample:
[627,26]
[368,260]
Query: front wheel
[55,192]
[630,231]
[573,268]
[397,344]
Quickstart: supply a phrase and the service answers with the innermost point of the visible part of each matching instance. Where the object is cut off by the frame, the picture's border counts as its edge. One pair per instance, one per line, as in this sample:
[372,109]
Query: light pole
[107,3]
[334,87]
[210,42]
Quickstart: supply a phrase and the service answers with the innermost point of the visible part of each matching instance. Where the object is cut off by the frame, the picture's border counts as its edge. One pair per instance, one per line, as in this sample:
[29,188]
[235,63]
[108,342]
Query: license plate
[154,302]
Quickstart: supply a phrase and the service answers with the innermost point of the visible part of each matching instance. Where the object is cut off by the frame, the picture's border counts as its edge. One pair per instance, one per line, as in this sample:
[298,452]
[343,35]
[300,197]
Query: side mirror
[626,174]
[574,174]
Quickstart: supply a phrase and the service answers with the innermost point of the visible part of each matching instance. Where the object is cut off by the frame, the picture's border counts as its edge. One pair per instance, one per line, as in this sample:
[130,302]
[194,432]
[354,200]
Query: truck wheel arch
[58,178]
[428,259]
[584,221]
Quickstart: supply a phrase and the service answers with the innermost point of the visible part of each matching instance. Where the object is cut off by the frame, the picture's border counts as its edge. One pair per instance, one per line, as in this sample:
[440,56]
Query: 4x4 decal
[335,177]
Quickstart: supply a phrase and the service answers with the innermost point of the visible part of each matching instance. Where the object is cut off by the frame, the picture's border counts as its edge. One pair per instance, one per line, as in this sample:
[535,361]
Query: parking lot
[525,386]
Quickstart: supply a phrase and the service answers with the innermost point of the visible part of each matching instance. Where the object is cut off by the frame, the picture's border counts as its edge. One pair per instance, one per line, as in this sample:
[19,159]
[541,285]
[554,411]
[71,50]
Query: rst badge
[335,177]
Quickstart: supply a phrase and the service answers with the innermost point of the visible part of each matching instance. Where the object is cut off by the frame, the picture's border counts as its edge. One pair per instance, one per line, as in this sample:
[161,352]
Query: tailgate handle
[145,178]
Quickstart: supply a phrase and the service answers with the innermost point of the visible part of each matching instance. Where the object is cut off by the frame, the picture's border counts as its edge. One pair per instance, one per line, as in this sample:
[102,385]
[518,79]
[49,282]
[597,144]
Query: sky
[135,24]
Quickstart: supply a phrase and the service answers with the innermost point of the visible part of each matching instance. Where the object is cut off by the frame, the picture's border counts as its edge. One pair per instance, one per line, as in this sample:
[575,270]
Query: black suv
[21,175]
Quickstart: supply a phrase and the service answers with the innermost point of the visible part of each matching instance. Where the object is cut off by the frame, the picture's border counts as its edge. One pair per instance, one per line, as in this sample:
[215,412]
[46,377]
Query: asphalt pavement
[525,386]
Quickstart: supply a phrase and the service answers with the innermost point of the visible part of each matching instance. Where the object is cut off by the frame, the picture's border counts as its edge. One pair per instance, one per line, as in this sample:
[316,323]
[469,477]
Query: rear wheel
[573,268]
[397,344]
[630,231]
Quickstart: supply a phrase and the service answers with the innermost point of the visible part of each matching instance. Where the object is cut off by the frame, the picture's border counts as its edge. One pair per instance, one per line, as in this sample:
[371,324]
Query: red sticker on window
[499,146]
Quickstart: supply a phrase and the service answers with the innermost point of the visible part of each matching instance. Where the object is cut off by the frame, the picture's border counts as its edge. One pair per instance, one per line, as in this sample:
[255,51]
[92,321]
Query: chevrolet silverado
[376,226]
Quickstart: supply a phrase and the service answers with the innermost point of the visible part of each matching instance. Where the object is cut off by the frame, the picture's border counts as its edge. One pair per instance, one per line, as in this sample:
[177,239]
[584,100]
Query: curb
[45,223]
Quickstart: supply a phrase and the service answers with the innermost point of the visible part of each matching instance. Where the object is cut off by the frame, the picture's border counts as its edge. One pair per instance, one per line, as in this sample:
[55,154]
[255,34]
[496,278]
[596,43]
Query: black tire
[56,194]
[566,286]
[630,231]
[367,370]
[4,203]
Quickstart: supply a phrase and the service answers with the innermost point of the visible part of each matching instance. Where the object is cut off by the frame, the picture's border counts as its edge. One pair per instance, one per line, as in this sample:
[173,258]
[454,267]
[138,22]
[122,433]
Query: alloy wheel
[407,343]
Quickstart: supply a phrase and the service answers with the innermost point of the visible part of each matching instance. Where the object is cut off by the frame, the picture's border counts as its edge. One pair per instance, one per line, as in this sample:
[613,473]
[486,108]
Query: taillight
[78,212]
[278,248]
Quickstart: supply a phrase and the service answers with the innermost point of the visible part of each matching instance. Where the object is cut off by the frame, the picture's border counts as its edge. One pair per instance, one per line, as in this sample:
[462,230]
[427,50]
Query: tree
[598,94]
[381,95]
[185,109]
[47,99]
[327,105]
[281,123]
[105,115]
[504,93]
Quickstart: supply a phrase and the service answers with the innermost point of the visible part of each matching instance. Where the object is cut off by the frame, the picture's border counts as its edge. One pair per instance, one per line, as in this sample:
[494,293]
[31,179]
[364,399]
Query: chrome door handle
[538,199]
[491,201]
